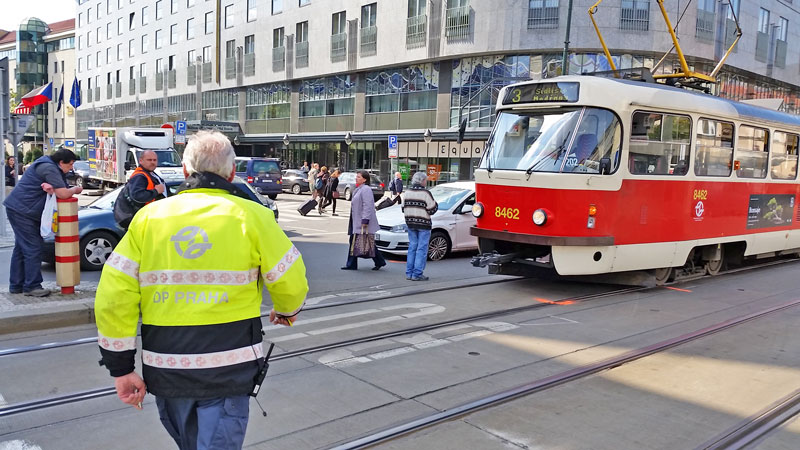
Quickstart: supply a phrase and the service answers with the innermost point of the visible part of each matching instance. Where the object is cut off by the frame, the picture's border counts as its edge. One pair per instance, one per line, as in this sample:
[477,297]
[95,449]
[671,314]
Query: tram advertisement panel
[766,211]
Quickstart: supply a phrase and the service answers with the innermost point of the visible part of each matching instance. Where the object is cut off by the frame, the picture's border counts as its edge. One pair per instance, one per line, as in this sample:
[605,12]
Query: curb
[46,318]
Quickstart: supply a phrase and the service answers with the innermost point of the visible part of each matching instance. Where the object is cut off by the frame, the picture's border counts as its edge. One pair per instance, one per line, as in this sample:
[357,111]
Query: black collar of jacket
[208,180]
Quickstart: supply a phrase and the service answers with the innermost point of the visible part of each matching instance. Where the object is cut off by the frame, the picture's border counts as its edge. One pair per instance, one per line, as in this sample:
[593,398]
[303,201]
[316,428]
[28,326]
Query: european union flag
[75,95]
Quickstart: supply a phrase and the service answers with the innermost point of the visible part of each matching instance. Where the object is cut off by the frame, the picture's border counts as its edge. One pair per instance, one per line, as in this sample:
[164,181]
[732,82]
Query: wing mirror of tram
[605,166]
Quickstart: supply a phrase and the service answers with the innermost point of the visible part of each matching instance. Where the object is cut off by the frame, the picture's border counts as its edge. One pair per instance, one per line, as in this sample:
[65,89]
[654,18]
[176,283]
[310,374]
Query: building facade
[39,53]
[331,81]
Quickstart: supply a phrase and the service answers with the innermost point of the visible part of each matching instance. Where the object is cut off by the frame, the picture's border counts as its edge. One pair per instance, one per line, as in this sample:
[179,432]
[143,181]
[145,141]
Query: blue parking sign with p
[180,127]
[392,141]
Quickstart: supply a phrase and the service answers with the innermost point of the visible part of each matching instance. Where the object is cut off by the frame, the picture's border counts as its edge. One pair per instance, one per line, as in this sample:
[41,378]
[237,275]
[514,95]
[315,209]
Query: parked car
[347,184]
[295,181]
[450,224]
[264,174]
[79,175]
[99,232]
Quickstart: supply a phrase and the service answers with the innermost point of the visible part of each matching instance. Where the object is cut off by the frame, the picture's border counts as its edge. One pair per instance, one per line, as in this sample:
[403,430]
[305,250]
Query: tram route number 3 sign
[770,210]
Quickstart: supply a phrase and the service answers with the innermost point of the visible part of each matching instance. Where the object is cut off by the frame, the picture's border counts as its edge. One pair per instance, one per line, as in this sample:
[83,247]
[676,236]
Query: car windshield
[446,196]
[566,140]
[106,201]
[166,158]
[80,165]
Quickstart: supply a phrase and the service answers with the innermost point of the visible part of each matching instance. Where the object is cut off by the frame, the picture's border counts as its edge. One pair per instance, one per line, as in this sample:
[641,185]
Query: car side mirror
[466,209]
[605,166]
[128,166]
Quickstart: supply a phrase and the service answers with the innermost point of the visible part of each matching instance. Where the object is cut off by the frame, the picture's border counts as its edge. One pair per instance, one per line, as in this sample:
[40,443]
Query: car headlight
[400,228]
[539,217]
[477,209]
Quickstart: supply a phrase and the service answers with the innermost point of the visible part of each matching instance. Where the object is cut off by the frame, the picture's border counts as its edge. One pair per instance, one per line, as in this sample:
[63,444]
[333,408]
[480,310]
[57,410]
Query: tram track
[745,433]
[34,405]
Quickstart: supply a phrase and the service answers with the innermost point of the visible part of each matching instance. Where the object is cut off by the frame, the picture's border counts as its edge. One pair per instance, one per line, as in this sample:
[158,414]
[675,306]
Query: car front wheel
[96,248]
[438,246]
[347,195]
[296,189]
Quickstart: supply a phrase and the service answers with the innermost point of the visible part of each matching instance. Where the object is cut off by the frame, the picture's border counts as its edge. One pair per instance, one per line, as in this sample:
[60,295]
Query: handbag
[125,207]
[49,224]
[335,194]
[363,246]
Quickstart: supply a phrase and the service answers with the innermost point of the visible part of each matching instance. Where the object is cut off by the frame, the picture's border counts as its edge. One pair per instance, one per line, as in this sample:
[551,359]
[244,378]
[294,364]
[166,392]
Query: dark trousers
[213,424]
[352,261]
[328,201]
[26,259]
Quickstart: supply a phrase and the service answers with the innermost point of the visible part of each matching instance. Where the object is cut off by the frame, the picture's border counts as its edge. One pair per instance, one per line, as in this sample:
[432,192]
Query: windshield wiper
[558,150]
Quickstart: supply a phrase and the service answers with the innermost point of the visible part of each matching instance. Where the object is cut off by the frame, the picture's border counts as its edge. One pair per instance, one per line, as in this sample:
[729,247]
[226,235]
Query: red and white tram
[590,175]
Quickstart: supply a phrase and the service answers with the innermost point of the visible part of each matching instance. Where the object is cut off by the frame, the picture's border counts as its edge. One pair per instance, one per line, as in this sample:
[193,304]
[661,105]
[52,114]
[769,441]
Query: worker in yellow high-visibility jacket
[194,265]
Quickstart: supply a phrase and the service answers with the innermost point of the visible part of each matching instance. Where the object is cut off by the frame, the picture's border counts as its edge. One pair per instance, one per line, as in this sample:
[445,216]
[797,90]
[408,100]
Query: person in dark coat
[330,194]
[324,176]
[363,219]
[11,174]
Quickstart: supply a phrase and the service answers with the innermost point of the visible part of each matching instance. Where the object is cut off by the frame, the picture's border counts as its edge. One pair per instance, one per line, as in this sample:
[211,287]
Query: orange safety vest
[150,184]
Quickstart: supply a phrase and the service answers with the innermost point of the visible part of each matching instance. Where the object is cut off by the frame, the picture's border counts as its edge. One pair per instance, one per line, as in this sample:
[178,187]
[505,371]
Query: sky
[49,11]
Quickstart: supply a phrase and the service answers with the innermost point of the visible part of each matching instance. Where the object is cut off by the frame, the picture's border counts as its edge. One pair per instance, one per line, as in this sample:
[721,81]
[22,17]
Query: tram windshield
[574,140]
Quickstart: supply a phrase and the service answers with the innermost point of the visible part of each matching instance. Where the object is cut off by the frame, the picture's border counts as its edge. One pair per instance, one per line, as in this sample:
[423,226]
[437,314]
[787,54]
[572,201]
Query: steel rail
[552,381]
[758,426]
[93,339]
[21,407]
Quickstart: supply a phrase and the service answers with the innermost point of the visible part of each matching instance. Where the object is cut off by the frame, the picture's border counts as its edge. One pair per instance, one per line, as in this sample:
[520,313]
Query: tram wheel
[715,266]
[664,275]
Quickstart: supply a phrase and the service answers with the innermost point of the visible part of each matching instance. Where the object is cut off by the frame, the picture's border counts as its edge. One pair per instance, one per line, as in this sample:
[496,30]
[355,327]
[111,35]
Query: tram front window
[566,140]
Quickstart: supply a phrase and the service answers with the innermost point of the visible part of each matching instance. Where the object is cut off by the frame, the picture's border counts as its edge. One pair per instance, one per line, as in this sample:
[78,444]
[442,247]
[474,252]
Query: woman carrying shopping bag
[363,225]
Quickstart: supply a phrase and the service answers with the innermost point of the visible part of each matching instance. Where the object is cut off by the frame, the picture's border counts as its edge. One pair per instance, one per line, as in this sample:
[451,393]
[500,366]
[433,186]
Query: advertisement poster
[404,170]
[92,154]
[106,154]
[433,171]
[770,210]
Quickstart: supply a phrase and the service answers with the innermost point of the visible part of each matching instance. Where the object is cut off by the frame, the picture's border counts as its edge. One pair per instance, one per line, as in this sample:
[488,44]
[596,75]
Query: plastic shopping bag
[49,225]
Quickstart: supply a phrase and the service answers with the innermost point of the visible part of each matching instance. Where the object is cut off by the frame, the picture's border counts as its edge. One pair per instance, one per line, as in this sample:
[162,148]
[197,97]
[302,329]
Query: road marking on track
[539,321]
[423,309]
[346,357]
[18,445]
[316,300]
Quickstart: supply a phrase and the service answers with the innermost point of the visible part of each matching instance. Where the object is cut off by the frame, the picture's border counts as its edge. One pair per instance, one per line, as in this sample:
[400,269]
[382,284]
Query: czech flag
[22,110]
[38,96]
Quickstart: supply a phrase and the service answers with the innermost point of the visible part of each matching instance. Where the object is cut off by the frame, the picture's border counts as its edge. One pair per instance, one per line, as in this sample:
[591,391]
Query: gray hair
[209,151]
[419,179]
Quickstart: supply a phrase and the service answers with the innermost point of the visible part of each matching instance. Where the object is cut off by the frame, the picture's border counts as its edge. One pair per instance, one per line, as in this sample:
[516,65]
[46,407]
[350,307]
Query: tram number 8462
[507,213]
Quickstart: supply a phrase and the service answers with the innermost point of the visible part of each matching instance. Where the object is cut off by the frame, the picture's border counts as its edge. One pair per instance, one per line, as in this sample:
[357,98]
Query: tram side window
[752,152]
[714,155]
[598,136]
[660,144]
[784,156]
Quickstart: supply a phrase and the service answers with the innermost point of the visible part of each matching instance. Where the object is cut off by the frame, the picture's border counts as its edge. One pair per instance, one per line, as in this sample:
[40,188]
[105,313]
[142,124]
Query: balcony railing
[301,54]
[780,53]
[457,22]
[132,86]
[636,18]
[278,59]
[230,68]
[97,94]
[109,91]
[159,81]
[338,47]
[416,31]
[249,64]
[191,75]
[118,89]
[369,41]
[142,85]
[172,75]
[207,72]
[543,17]
[704,27]
[89,95]
[762,47]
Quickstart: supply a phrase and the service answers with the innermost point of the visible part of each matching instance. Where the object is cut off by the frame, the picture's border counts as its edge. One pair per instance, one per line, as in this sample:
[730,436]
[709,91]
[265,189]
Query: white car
[450,224]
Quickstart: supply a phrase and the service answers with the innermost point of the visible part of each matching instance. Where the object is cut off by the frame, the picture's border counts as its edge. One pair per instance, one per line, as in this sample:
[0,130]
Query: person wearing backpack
[143,187]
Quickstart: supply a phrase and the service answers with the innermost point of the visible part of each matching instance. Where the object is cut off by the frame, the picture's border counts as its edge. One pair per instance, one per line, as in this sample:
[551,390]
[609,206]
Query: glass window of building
[252,13]
[80,20]
[207,54]
[369,15]
[108,6]
[119,26]
[98,9]
[131,21]
[143,69]
[131,73]
[763,20]
[327,96]
[89,15]
[734,5]
[159,65]
[489,73]
[97,58]
[173,34]
[402,89]
[268,101]
[635,15]
[80,42]
[229,16]
[189,3]
[108,30]
[277,6]
[119,52]
[159,40]
[783,29]
[98,35]
[80,64]
[145,17]
[304,2]
[145,43]
[190,57]
[171,62]
[190,29]
[249,44]
[131,47]
[338,23]
[277,37]
[209,22]
[159,9]
[173,6]
[301,32]
[89,62]
[230,49]
[416,7]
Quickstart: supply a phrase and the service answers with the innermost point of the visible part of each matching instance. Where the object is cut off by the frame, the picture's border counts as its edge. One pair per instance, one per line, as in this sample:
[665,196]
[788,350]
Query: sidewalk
[8,239]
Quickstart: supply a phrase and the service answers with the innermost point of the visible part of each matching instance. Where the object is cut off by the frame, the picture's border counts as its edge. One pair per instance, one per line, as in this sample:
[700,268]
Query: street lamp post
[565,56]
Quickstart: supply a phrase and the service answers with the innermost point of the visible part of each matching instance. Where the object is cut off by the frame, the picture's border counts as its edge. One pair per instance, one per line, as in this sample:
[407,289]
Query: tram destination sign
[542,93]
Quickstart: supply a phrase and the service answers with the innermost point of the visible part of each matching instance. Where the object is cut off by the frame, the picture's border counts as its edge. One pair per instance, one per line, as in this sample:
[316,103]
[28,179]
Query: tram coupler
[485,259]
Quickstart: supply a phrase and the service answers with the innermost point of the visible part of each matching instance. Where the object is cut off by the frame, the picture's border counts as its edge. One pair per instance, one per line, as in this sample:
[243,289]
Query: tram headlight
[539,217]
[477,209]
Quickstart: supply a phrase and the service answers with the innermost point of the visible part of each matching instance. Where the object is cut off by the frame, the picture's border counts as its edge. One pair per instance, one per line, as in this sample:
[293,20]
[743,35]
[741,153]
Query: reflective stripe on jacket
[194,265]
